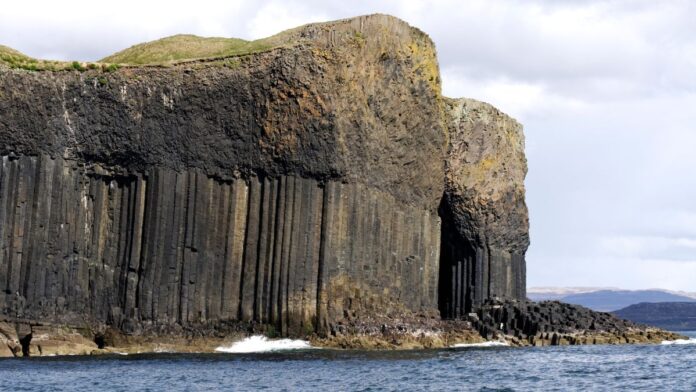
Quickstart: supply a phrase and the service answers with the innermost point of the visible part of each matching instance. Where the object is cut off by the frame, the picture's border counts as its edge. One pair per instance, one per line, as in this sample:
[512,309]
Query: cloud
[275,17]
[625,273]
[650,247]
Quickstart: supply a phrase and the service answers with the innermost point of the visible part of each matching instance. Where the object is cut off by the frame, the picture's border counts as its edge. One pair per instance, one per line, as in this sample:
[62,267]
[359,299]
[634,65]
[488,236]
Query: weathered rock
[9,341]
[51,340]
[553,323]
[485,221]
[356,100]
[286,187]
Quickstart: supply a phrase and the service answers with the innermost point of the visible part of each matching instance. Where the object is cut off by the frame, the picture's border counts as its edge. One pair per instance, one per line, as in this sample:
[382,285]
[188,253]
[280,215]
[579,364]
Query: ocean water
[668,367]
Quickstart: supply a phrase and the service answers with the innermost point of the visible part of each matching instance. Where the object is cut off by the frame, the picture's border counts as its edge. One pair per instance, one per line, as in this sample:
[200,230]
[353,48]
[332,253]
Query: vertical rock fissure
[459,282]
[323,250]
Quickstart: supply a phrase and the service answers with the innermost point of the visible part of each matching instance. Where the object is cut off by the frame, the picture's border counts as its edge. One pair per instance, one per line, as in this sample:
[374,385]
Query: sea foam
[261,344]
[679,342]
[482,344]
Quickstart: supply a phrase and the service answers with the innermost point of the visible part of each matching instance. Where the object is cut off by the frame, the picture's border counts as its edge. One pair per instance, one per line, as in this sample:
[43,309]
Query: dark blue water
[585,368]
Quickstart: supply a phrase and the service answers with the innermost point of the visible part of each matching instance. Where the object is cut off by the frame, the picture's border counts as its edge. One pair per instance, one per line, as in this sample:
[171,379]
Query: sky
[606,91]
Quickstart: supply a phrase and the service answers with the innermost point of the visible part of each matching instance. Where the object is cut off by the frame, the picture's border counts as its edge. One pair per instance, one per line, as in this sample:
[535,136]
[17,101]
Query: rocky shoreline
[512,323]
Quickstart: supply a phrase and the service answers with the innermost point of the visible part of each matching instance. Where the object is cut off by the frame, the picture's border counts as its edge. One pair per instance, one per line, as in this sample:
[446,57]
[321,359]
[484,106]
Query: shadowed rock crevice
[25,342]
[458,269]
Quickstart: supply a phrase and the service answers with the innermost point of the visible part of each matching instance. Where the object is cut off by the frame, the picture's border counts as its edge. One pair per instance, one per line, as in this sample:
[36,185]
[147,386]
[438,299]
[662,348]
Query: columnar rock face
[309,183]
[485,221]
[182,247]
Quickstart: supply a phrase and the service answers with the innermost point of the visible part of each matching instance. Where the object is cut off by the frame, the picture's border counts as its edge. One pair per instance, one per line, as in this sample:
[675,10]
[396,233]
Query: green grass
[17,60]
[163,51]
[186,47]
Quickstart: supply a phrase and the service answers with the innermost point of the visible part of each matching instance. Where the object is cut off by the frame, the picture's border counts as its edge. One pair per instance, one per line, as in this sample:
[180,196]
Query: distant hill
[557,293]
[606,300]
[610,300]
[674,316]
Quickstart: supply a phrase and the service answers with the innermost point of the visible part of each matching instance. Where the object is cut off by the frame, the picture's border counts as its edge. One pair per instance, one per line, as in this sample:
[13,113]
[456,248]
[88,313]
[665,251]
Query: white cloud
[650,247]
[626,273]
[277,16]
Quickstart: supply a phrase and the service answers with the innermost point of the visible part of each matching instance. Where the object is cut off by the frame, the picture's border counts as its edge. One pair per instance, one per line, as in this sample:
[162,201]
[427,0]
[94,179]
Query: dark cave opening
[100,340]
[457,268]
[24,342]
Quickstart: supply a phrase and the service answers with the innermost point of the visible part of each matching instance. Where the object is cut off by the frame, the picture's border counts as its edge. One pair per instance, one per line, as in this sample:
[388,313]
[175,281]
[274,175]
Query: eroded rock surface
[289,187]
[552,323]
[485,220]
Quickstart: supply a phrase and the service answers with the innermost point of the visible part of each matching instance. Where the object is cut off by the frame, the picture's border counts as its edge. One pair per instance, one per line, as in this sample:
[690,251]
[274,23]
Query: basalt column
[485,223]
[136,249]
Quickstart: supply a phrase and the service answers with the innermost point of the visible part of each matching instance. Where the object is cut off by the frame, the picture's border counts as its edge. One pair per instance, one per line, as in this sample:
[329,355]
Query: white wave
[261,344]
[679,342]
[482,344]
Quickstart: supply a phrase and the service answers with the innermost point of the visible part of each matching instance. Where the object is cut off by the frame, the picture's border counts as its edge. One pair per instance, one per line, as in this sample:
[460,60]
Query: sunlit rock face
[310,183]
[485,221]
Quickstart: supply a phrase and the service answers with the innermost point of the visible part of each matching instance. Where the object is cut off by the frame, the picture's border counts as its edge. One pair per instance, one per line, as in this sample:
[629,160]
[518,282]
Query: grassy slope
[185,47]
[15,59]
[6,51]
[167,50]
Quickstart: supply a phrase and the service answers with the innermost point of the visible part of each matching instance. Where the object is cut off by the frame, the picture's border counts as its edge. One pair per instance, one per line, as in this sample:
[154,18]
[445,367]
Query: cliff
[298,183]
[485,221]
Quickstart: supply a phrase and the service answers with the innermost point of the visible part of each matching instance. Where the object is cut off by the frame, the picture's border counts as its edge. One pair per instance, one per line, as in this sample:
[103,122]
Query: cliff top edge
[185,48]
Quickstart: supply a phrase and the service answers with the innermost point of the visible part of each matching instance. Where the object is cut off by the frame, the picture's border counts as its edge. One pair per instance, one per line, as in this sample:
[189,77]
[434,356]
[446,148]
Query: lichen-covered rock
[485,221]
[485,172]
[356,100]
[286,187]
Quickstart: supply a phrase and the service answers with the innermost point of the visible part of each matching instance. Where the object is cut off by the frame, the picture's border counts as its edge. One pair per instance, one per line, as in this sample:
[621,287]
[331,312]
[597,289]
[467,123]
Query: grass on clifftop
[15,59]
[185,47]
[166,50]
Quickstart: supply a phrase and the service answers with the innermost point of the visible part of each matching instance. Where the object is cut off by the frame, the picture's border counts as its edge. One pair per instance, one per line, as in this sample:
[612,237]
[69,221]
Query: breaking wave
[482,344]
[261,344]
[679,342]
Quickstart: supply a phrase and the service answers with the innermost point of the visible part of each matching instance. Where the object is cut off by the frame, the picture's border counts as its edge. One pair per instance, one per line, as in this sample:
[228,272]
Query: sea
[258,364]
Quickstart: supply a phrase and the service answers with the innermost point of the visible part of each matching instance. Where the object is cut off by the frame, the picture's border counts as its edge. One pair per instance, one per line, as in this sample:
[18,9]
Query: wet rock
[50,340]
[553,323]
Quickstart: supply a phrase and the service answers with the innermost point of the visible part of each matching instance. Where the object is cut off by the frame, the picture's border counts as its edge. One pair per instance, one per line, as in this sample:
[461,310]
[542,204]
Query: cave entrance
[457,268]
